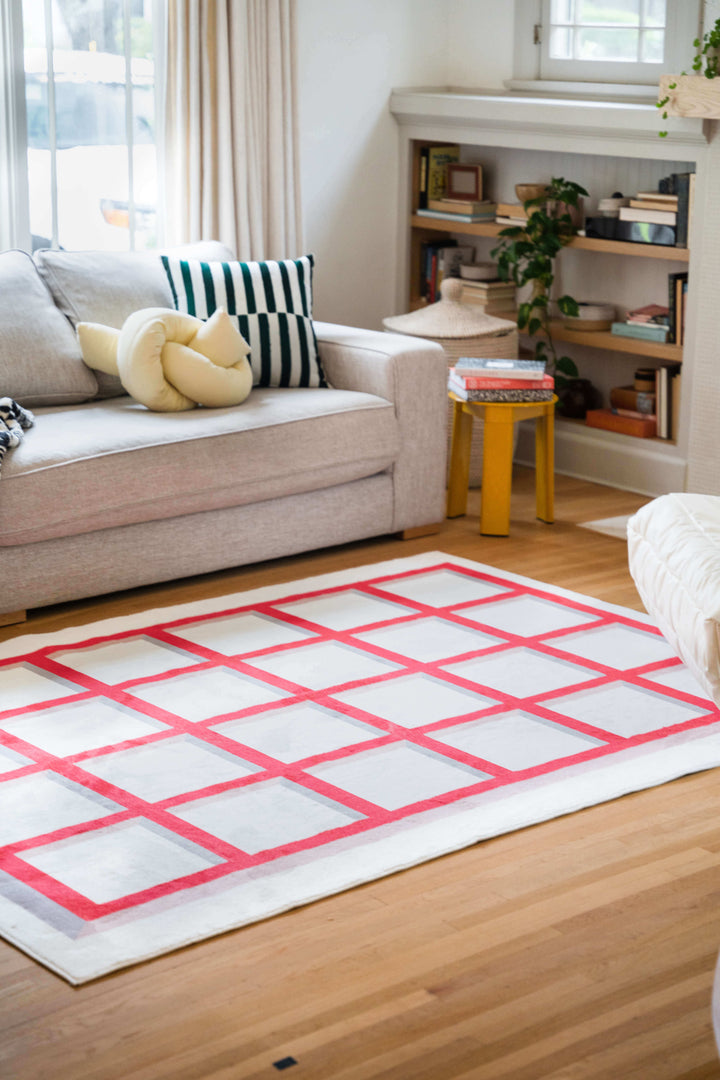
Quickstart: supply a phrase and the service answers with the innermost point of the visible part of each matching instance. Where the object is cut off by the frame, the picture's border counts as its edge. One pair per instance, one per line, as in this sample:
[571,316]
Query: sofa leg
[421,530]
[8,618]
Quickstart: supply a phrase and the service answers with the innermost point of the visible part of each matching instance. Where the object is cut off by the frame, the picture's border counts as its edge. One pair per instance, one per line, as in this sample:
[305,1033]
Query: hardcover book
[626,425]
[461,206]
[472,382]
[627,397]
[488,367]
[438,159]
[468,219]
[491,395]
[656,217]
[645,331]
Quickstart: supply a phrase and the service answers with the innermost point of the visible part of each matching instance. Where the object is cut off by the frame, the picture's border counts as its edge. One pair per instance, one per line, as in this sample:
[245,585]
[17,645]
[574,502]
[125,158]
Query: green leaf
[523,316]
[533,326]
[567,366]
[568,306]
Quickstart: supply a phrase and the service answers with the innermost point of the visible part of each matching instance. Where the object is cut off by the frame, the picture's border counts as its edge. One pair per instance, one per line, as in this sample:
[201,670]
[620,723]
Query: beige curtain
[231,160]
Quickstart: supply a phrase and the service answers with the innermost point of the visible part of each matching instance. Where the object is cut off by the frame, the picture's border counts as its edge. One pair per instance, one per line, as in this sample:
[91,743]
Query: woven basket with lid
[462,330]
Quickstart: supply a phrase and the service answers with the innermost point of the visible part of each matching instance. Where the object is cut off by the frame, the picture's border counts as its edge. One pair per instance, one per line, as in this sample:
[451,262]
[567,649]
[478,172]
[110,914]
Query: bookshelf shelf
[603,339]
[585,243]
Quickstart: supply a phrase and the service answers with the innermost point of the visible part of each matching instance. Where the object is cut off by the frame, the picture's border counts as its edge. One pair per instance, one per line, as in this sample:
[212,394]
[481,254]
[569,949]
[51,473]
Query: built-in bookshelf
[646,465]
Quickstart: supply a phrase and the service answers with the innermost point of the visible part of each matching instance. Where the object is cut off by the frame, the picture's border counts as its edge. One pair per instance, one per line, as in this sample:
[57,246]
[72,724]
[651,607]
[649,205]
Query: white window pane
[616,44]
[561,43]
[620,11]
[651,46]
[561,11]
[94,203]
[654,13]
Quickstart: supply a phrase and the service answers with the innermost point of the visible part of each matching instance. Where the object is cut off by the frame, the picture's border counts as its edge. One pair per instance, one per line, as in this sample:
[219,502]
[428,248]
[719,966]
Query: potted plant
[526,255]
[698,94]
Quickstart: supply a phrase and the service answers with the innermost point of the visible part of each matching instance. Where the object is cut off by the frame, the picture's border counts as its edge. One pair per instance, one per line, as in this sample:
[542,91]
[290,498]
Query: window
[627,42]
[84,151]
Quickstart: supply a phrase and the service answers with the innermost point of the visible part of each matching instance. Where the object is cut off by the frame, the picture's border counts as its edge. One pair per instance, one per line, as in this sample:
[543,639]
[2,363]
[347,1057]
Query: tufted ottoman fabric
[674,557]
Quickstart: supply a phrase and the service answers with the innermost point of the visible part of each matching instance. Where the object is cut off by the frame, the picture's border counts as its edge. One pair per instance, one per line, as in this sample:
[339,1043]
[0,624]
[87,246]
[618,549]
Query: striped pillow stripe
[272,303]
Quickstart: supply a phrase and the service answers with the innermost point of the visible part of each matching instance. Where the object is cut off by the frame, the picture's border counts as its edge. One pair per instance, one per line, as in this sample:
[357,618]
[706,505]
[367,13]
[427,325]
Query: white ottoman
[674,557]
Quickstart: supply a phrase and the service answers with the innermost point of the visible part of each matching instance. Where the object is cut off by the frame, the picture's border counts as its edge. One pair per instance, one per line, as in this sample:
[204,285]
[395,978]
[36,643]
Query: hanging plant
[526,255]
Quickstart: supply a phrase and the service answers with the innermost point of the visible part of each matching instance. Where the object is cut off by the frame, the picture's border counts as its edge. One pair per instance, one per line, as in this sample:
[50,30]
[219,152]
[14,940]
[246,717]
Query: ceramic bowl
[529,191]
[483,271]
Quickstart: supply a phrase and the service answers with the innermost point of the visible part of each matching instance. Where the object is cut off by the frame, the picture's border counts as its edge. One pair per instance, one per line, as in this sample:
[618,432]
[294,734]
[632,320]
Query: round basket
[462,330]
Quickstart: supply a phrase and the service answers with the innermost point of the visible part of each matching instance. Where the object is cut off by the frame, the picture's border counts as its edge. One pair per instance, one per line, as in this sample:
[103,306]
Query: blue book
[646,331]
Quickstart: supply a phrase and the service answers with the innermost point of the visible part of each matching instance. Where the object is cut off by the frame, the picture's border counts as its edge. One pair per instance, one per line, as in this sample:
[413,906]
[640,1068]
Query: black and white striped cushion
[272,303]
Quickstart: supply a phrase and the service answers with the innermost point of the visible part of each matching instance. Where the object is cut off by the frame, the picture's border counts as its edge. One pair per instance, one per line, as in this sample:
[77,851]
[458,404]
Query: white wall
[351,55]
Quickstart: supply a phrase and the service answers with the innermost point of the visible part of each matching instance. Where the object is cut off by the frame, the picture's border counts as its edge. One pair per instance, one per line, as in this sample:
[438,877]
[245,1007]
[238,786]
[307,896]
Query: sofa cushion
[40,360]
[107,286]
[112,462]
[272,302]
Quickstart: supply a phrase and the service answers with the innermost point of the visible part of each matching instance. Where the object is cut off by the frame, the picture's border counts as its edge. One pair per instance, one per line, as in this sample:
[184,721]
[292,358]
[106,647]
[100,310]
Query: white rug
[174,775]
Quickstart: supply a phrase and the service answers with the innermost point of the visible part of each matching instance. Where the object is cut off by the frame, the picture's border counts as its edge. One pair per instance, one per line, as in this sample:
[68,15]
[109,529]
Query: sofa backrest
[107,286]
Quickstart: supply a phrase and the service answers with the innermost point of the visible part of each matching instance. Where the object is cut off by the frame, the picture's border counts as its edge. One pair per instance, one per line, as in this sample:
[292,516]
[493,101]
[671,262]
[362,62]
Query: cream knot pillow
[169,361]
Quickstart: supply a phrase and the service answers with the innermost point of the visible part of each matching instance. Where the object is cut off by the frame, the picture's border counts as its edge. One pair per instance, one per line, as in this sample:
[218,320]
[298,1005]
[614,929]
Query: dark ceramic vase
[575,398]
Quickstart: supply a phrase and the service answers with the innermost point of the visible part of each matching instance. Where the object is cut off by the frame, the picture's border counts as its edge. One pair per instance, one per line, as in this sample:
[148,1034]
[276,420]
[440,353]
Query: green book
[646,331]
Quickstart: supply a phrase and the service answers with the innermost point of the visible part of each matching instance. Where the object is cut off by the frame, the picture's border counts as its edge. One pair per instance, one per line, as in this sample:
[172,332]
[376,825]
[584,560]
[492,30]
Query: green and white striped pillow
[272,304]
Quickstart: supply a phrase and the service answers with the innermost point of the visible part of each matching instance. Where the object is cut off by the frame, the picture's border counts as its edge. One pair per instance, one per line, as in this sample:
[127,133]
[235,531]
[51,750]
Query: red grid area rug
[174,775]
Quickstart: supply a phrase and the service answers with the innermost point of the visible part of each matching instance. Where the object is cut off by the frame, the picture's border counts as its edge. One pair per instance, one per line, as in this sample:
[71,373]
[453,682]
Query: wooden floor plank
[582,948]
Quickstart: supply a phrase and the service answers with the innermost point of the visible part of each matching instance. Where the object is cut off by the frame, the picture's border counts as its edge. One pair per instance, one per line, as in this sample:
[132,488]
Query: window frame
[532,70]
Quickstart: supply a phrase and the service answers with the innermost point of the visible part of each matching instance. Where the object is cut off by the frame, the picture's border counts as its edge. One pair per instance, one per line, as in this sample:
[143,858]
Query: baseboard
[646,466]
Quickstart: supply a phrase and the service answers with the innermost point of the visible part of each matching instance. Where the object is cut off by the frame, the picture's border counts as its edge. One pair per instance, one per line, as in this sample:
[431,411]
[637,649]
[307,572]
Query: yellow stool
[499,418]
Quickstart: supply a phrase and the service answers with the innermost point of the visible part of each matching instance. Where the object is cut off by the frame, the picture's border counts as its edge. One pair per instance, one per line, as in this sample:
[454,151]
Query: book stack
[652,206]
[670,206]
[494,297]
[511,214]
[650,323]
[460,210]
[493,379]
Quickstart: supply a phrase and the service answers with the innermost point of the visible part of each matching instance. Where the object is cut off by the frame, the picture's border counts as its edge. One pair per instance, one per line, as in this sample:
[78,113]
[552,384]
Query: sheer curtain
[231,160]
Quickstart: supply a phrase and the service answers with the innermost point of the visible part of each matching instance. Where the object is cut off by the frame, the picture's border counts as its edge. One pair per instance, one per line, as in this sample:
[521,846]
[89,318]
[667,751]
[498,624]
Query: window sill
[606,92]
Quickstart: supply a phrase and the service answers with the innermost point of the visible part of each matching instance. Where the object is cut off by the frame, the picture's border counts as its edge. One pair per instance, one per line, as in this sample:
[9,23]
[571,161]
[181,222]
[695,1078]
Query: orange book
[645,428]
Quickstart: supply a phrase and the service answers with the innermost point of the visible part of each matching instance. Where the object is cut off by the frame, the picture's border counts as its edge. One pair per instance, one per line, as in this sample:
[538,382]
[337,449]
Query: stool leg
[496,472]
[545,465]
[459,461]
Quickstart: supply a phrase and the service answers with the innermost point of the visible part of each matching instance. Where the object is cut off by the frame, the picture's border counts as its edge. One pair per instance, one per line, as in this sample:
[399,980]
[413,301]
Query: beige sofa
[102,494]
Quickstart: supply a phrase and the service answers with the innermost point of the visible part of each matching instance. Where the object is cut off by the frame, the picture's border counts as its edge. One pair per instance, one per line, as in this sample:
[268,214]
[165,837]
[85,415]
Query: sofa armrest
[412,374]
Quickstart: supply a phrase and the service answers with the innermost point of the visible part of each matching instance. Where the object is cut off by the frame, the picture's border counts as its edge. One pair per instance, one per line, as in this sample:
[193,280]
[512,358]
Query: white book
[655,217]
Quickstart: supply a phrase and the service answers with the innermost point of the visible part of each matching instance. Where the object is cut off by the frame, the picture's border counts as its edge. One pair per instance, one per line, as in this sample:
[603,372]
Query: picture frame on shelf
[464,182]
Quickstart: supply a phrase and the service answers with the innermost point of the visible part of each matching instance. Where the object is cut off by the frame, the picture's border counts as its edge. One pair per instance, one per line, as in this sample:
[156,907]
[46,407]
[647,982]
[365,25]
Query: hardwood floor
[579,949]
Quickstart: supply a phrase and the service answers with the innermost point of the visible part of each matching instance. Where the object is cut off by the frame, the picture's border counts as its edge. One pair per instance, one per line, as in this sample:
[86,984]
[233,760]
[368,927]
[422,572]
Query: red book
[473,382]
[626,425]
